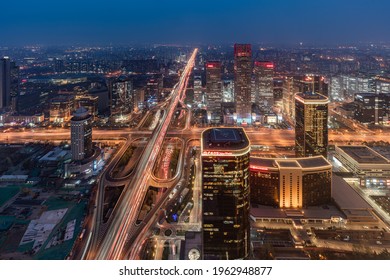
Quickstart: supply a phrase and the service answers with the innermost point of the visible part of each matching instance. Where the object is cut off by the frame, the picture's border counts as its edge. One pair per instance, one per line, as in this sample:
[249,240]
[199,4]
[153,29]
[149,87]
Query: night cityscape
[223,132]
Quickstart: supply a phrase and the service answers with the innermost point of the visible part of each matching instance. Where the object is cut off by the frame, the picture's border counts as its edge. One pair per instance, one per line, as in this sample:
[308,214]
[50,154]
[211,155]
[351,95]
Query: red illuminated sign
[213,64]
[265,64]
[260,168]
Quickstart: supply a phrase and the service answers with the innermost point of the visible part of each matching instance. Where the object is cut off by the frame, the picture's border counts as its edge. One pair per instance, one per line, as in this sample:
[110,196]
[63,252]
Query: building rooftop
[311,97]
[346,197]
[314,212]
[287,163]
[363,154]
[311,162]
[80,114]
[55,155]
[222,139]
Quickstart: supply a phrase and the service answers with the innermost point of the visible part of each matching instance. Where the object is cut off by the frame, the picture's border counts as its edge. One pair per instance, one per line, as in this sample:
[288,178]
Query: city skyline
[177,22]
[181,130]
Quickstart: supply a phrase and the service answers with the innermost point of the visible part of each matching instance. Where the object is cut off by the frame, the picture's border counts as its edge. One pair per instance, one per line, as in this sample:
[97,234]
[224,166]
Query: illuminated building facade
[264,93]
[198,94]
[311,124]
[122,99]
[370,108]
[214,90]
[242,81]
[81,134]
[89,102]
[369,166]
[290,183]
[61,108]
[225,186]
[153,90]
[311,83]
[288,98]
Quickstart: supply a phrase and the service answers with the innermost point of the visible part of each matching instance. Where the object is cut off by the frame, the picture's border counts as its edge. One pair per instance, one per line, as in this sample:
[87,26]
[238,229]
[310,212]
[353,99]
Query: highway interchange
[121,237]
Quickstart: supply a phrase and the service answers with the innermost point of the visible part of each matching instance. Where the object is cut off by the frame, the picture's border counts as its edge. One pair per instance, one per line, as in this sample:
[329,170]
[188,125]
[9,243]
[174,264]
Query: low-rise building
[290,183]
[372,168]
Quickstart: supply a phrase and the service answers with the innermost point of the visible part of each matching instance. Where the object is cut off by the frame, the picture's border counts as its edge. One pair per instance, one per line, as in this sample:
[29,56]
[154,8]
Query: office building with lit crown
[311,124]
[214,90]
[81,134]
[264,88]
[225,193]
[242,81]
[290,183]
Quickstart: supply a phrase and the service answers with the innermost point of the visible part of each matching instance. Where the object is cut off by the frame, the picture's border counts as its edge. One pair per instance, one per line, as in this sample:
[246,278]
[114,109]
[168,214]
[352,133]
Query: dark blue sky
[193,21]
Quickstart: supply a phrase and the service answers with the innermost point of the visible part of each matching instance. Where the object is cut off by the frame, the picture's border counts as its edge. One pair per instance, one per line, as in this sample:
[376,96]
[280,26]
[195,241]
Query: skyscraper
[225,186]
[370,108]
[198,98]
[59,66]
[214,90]
[312,83]
[81,134]
[242,81]
[264,73]
[5,82]
[121,99]
[311,124]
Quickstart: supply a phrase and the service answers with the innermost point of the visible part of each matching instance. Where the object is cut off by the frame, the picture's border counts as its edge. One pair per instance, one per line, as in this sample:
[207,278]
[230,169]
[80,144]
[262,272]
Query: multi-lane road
[123,223]
[264,136]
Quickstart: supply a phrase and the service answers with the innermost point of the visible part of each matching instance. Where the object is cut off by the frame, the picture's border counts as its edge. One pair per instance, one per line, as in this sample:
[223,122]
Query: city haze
[173,21]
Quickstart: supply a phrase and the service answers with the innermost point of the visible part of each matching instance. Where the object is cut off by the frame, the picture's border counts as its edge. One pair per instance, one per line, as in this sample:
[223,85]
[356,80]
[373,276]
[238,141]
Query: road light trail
[124,217]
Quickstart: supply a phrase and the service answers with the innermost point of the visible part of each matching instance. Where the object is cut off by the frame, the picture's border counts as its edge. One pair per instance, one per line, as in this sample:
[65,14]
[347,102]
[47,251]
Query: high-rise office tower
[14,86]
[81,134]
[242,81]
[153,89]
[5,82]
[311,124]
[370,108]
[59,66]
[121,99]
[312,83]
[225,188]
[214,90]
[288,98]
[198,98]
[264,92]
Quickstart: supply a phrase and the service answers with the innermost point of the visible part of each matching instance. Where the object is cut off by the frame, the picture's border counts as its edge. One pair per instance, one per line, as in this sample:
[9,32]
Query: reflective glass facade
[225,175]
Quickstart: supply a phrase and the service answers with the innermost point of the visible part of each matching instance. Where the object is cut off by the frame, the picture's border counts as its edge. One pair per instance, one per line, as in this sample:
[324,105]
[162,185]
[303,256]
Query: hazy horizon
[186,22]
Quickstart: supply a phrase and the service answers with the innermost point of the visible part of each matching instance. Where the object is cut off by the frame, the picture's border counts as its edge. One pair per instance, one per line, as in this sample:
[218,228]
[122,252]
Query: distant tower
[9,83]
[242,81]
[214,89]
[81,134]
[312,83]
[59,66]
[311,124]
[264,92]
[225,192]
[5,82]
